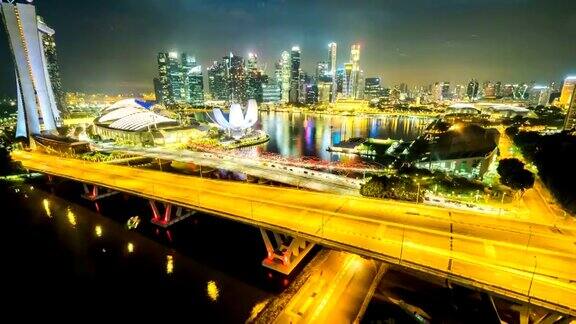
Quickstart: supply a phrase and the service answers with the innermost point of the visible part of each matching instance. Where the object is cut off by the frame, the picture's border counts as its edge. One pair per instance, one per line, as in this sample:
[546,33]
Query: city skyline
[393,48]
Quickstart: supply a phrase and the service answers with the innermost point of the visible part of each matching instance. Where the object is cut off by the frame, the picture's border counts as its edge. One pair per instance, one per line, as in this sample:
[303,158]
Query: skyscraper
[179,80]
[254,78]
[176,89]
[332,57]
[568,90]
[195,85]
[158,90]
[294,94]
[347,89]
[372,88]
[51,61]
[37,110]
[163,78]
[570,121]
[355,73]
[236,78]
[321,69]
[340,81]
[218,80]
[285,80]
[472,89]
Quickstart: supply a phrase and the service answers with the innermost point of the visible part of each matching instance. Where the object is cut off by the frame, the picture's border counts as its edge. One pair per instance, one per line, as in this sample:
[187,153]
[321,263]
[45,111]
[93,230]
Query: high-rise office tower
[294,95]
[568,90]
[176,93]
[340,80]
[271,93]
[163,78]
[372,88]
[187,64]
[254,78]
[355,73]
[37,109]
[51,61]
[218,80]
[285,80]
[539,95]
[193,81]
[472,89]
[158,90]
[489,89]
[236,79]
[324,86]
[347,88]
[332,57]
[321,70]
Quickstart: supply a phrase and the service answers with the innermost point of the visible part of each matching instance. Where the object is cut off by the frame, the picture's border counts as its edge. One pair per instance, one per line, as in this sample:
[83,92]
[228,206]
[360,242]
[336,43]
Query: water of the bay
[309,135]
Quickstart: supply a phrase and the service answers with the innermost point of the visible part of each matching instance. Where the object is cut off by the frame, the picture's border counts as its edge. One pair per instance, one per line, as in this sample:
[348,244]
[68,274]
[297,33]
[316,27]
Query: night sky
[111,46]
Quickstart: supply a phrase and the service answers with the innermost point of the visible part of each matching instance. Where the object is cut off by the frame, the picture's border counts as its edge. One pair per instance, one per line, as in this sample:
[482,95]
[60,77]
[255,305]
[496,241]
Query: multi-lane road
[529,261]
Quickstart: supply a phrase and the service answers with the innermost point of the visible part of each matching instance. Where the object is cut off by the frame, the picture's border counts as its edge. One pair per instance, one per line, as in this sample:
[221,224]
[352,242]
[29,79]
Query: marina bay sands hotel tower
[37,109]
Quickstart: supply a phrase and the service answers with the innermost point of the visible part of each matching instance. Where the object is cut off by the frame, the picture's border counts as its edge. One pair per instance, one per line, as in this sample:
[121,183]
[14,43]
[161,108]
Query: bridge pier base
[286,252]
[94,192]
[165,218]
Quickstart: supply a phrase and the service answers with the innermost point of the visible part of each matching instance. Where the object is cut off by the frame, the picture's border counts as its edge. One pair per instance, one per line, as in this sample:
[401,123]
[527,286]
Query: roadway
[537,200]
[265,169]
[527,261]
[335,292]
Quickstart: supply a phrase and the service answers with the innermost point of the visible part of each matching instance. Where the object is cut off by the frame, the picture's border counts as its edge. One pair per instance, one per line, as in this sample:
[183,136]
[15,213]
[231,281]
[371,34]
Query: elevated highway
[526,261]
[266,169]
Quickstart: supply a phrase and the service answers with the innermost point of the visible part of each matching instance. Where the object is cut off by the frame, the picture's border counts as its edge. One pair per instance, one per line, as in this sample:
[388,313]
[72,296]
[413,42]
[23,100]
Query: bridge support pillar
[93,192]
[165,218]
[284,252]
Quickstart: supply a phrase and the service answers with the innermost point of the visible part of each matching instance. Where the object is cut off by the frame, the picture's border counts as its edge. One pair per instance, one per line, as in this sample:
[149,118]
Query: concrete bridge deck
[525,261]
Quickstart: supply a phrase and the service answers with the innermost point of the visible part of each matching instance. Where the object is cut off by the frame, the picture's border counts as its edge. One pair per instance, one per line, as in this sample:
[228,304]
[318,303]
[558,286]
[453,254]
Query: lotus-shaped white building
[238,123]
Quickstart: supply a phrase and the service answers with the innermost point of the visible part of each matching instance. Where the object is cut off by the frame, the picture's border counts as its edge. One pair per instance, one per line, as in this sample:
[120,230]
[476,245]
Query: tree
[512,131]
[375,187]
[6,166]
[513,174]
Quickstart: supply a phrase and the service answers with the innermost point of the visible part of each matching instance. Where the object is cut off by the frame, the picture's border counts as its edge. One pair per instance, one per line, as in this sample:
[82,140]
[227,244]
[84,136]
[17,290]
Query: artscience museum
[239,123]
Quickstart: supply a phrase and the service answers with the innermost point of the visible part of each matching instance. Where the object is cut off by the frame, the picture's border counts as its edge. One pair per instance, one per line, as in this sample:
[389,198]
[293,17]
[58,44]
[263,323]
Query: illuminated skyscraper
[285,80]
[193,81]
[294,94]
[179,80]
[255,78]
[218,80]
[324,86]
[355,73]
[37,108]
[539,95]
[163,91]
[472,89]
[176,90]
[568,90]
[340,80]
[321,69]
[271,93]
[570,121]
[347,82]
[158,90]
[332,50]
[372,88]
[236,79]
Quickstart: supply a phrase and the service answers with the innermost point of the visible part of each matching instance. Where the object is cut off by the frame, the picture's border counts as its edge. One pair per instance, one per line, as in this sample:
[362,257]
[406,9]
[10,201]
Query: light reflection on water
[301,134]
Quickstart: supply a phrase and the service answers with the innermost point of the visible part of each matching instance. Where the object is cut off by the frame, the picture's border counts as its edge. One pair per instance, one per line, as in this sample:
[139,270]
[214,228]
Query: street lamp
[501,204]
